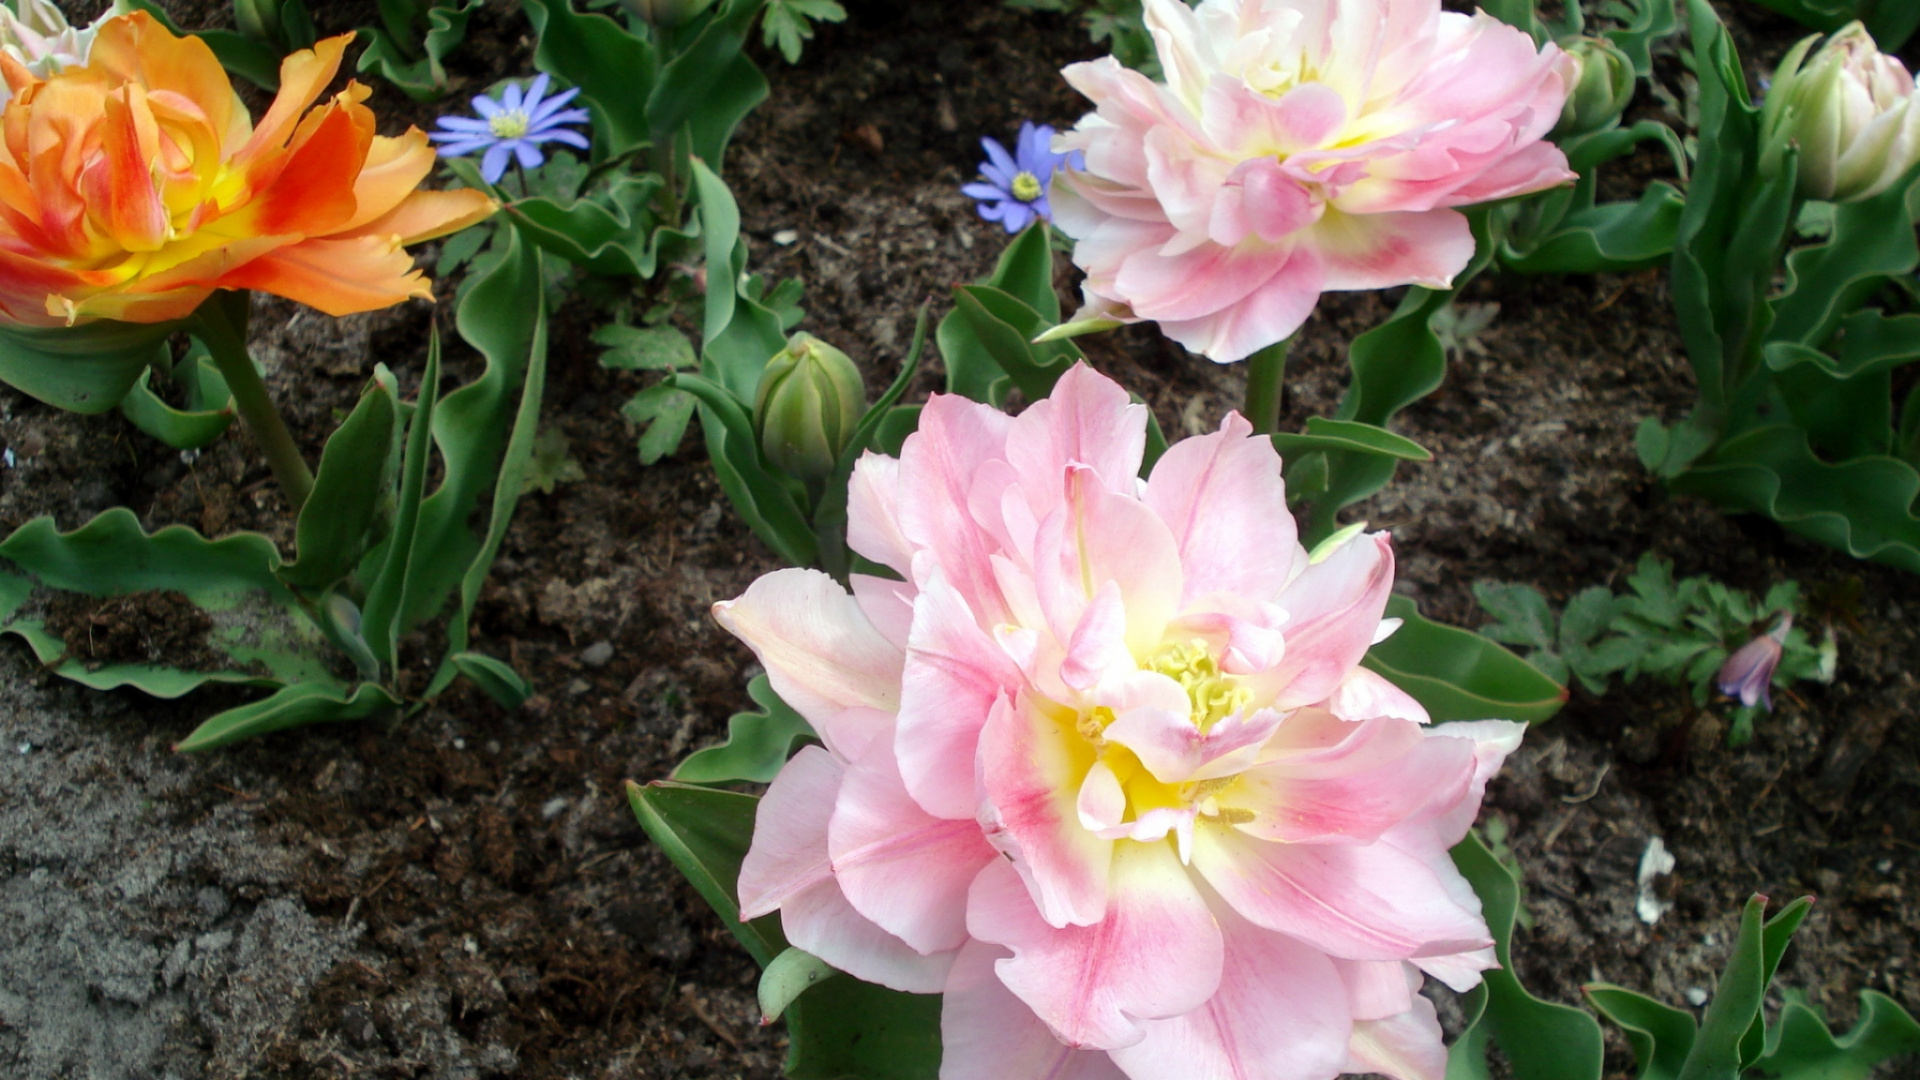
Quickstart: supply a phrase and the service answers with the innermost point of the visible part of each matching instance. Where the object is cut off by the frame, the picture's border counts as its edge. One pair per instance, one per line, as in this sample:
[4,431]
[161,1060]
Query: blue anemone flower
[1014,191]
[513,126]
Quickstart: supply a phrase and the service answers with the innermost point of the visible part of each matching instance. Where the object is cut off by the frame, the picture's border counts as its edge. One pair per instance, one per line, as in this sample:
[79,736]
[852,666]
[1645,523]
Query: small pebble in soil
[597,654]
[578,687]
[1696,996]
[552,807]
[786,237]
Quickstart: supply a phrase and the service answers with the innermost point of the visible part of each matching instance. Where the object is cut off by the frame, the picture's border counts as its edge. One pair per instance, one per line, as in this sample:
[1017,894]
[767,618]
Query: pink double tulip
[1297,147]
[1104,767]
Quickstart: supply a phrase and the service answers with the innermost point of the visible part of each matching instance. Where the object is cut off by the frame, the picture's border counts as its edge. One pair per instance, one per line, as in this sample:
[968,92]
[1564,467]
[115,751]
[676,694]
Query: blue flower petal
[571,116]
[494,165]
[461,124]
[534,93]
[554,104]
[1019,216]
[510,100]
[486,106]
[985,191]
[461,148]
[997,154]
[528,153]
[563,135]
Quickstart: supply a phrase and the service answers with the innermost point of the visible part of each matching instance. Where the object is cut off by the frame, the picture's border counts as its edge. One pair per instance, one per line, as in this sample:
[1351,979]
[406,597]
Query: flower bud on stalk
[1850,109]
[1601,91]
[810,399]
[1748,673]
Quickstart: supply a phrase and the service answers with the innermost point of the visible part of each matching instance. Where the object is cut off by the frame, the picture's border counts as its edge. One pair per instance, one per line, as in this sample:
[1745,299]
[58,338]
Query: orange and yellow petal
[429,215]
[337,276]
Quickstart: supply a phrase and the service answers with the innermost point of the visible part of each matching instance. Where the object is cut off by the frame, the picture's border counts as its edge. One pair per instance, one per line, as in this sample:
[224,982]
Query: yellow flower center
[1026,186]
[1212,694]
[509,124]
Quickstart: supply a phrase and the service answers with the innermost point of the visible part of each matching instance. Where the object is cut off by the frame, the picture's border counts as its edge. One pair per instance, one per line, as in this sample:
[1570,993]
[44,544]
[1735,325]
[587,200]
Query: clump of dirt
[158,625]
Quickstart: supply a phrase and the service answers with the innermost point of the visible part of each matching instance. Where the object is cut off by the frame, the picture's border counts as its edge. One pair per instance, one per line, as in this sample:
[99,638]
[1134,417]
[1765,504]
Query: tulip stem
[223,327]
[1266,371]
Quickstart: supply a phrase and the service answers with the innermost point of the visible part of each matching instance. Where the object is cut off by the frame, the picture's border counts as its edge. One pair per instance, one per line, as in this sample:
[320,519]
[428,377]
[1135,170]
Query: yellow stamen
[1026,186]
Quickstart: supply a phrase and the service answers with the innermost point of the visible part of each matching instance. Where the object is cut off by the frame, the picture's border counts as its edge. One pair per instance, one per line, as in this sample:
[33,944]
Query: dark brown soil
[139,628]
[512,919]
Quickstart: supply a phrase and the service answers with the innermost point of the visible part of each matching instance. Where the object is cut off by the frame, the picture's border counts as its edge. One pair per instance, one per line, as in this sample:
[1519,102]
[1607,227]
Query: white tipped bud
[1850,109]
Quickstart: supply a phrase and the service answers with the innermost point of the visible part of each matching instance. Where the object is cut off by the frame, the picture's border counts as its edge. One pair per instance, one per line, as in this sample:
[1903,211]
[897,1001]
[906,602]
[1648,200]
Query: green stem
[1266,370]
[223,326]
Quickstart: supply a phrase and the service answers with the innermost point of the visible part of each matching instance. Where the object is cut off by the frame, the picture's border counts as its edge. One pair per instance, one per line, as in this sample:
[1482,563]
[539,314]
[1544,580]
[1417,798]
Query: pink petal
[1031,771]
[954,673]
[1098,646]
[1334,608]
[899,866]
[1385,772]
[1260,198]
[873,513]
[1175,750]
[1379,251]
[1280,1014]
[1405,1047]
[789,849]
[1205,281]
[1461,971]
[819,920]
[1362,695]
[1156,954]
[1246,123]
[822,655]
[1095,537]
[1088,421]
[1377,989]
[1270,314]
[886,603]
[937,463]
[1215,493]
[1358,901]
[986,1033]
[1492,741]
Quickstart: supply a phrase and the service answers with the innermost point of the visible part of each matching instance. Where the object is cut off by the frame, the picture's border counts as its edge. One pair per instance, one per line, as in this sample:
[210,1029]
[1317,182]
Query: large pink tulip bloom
[1104,768]
[1297,147]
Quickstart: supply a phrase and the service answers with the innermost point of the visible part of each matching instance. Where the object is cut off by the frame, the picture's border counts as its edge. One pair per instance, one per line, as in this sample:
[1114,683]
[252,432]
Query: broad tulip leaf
[1800,1046]
[1350,435]
[1609,237]
[291,706]
[354,478]
[758,743]
[257,634]
[1828,280]
[613,231]
[1661,1035]
[614,70]
[85,369]
[182,429]
[497,680]
[733,95]
[761,497]
[705,833]
[387,567]
[1005,326]
[1458,675]
[710,62]
[417,69]
[1732,1031]
[1541,1040]
[1025,272]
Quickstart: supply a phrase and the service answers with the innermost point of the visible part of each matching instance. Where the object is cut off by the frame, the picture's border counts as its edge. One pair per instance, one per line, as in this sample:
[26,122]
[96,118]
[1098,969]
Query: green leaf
[1800,1047]
[790,974]
[417,70]
[182,429]
[1351,436]
[1661,1035]
[687,82]
[498,680]
[613,231]
[1522,615]
[705,832]
[1609,237]
[85,369]
[1459,675]
[758,743]
[380,618]
[614,70]
[246,58]
[499,316]
[1541,1040]
[1025,272]
[763,498]
[661,412]
[790,22]
[355,477]
[257,635]
[1005,326]
[291,706]
[551,465]
[1719,1049]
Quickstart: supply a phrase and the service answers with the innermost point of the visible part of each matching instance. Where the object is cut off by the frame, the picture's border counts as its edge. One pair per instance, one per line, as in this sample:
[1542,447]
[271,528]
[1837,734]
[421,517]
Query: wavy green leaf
[614,70]
[1459,675]
[613,231]
[1350,435]
[86,369]
[291,706]
[1801,1047]
[387,566]
[1005,325]
[699,75]
[355,477]
[1024,271]
[758,743]
[418,71]
[189,428]
[1661,1035]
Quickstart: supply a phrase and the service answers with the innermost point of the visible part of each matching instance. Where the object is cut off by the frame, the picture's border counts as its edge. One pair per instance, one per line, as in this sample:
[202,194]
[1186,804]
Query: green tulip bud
[810,400]
[1601,90]
[666,13]
[1850,109]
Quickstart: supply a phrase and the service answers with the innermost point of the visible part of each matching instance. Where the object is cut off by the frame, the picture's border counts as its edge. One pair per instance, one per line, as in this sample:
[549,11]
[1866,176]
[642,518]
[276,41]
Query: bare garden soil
[466,895]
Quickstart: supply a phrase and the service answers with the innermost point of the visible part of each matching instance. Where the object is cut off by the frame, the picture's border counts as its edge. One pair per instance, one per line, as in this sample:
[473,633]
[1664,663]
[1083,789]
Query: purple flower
[514,125]
[1014,190]
[1748,673]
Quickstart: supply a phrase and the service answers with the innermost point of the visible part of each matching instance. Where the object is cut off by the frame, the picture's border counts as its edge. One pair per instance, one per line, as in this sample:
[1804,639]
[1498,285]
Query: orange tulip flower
[133,187]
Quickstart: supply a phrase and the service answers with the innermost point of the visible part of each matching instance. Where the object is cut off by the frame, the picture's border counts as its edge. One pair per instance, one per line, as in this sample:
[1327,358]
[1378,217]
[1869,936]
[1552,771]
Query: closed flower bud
[667,13]
[1601,91]
[1748,673]
[809,402]
[1849,109]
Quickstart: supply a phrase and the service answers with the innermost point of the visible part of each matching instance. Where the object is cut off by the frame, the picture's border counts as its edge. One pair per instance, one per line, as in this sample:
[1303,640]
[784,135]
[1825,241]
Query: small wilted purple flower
[513,126]
[1748,673]
[1014,191]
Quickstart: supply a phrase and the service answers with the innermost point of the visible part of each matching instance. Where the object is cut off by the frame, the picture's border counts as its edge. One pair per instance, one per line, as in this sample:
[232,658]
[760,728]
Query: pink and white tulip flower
[1298,147]
[1104,768]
